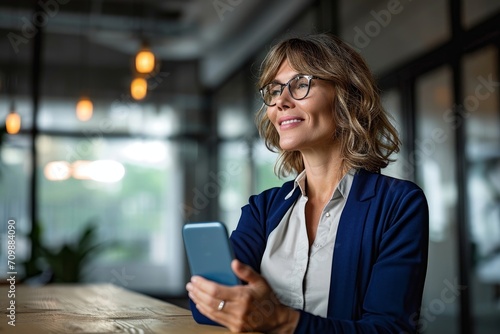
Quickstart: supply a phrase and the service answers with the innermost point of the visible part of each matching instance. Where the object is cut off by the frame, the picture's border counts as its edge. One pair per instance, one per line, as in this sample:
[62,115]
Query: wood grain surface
[106,308]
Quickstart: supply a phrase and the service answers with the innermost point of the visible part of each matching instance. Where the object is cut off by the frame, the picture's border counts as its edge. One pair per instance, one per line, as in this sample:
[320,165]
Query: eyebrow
[277,82]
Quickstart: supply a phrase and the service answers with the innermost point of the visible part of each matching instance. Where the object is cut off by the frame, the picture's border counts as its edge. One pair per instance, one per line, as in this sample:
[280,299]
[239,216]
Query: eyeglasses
[298,86]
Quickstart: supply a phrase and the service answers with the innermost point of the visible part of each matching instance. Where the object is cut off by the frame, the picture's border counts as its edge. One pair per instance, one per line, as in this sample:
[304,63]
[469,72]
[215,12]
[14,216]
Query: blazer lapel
[348,243]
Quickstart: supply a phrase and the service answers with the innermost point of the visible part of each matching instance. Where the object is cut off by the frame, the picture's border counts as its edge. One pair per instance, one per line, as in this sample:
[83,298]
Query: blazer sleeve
[392,295]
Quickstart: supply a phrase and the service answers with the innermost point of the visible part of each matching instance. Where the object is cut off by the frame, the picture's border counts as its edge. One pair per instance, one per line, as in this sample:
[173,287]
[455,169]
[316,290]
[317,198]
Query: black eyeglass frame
[282,87]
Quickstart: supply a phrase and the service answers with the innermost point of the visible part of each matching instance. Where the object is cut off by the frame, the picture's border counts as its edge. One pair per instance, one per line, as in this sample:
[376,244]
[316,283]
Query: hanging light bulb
[145,60]
[84,109]
[13,121]
[139,88]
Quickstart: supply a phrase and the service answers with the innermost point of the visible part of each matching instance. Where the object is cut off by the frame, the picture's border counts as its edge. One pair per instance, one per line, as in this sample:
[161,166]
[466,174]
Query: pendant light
[84,109]
[144,60]
[84,106]
[144,63]
[13,121]
[139,88]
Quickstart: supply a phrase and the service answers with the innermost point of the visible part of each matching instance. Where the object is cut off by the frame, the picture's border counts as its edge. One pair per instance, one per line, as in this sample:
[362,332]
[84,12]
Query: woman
[342,248]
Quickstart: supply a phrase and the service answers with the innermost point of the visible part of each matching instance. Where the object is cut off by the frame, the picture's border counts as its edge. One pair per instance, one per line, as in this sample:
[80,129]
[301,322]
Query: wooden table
[99,308]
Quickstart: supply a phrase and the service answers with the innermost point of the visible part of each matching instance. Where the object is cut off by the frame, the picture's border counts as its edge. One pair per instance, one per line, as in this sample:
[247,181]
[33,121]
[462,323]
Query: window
[128,189]
[481,110]
[15,176]
[434,160]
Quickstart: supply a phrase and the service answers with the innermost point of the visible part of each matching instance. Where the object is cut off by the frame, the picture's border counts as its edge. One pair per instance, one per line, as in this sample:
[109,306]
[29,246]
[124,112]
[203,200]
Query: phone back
[209,252]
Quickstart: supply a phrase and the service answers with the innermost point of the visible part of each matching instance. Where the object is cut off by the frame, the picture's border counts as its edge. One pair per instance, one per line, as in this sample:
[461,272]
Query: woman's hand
[251,307]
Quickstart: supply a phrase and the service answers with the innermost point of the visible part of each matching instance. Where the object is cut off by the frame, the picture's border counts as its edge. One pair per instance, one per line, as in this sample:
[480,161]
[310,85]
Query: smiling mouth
[290,121]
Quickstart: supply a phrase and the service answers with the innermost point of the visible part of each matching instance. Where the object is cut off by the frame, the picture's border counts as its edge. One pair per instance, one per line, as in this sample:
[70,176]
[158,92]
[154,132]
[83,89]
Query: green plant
[66,263]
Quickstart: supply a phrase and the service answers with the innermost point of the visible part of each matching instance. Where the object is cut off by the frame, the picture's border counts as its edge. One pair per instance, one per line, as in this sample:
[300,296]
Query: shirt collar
[298,182]
[343,187]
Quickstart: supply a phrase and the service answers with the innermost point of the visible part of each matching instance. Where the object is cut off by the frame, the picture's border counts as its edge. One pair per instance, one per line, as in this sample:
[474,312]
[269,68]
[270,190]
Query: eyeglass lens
[298,88]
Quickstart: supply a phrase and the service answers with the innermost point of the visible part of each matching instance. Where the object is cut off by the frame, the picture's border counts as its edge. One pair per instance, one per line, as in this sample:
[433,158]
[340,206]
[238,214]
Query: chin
[288,147]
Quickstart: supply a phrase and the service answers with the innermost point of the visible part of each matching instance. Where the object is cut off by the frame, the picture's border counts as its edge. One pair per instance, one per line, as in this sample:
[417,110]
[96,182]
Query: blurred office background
[136,168]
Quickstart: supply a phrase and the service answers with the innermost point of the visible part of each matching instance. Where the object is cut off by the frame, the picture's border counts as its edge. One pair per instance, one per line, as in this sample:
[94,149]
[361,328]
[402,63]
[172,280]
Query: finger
[199,291]
[228,317]
[245,272]
[206,292]
[211,305]
[208,287]
[215,310]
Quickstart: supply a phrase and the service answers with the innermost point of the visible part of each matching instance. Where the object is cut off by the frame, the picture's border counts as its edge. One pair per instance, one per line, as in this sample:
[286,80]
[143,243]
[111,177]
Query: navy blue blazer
[380,258]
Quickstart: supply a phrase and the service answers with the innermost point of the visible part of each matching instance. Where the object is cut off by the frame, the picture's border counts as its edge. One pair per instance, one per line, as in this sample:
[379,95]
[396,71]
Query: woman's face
[306,124]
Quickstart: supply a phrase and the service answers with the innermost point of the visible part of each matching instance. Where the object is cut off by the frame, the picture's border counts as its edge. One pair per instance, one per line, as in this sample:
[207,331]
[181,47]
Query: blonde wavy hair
[366,135]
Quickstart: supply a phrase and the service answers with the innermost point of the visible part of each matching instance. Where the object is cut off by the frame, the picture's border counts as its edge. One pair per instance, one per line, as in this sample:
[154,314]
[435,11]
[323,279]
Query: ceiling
[219,34]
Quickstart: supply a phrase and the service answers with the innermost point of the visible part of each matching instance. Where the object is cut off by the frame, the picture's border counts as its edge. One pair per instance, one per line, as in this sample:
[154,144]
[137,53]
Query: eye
[274,90]
[301,83]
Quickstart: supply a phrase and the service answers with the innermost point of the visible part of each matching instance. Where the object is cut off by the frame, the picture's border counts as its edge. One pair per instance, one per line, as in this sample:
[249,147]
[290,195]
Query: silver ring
[221,305]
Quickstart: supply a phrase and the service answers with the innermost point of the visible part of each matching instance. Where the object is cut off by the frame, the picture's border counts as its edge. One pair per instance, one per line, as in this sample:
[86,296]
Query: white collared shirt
[300,276]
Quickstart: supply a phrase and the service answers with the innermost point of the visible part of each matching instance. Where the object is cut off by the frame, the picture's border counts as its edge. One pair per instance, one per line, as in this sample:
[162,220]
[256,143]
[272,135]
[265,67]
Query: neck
[323,174]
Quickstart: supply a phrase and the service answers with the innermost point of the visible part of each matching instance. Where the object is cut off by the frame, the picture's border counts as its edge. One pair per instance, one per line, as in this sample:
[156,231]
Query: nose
[285,100]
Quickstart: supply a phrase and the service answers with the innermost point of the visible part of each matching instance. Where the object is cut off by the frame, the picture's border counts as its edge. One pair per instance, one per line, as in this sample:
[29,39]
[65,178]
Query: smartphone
[209,251]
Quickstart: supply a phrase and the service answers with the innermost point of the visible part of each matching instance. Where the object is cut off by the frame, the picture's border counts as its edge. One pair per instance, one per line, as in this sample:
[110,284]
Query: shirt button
[328,214]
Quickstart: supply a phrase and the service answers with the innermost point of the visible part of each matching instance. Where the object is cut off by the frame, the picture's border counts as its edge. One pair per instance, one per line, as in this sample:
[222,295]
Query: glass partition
[15,185]
[128,189]
[481,109]
[236,168]
[434,161]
